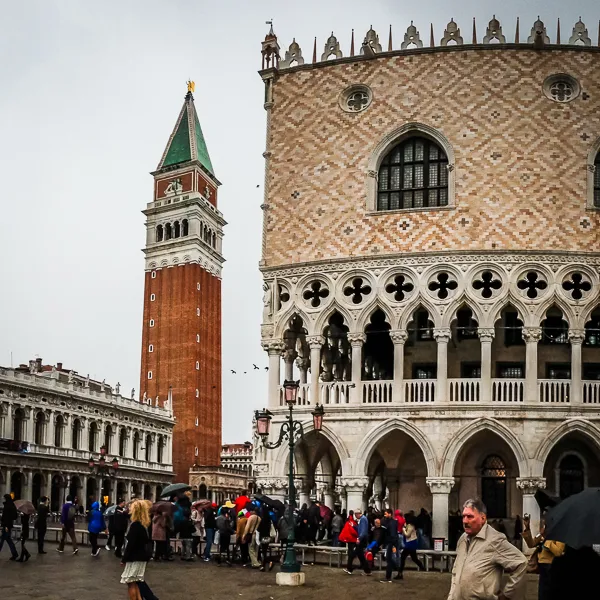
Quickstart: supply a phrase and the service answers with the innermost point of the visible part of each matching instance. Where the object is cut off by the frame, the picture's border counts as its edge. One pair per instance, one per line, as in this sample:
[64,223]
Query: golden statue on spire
[191,86]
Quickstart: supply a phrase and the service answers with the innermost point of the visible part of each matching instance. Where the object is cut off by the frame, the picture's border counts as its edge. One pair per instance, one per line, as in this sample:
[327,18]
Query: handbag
[533,564]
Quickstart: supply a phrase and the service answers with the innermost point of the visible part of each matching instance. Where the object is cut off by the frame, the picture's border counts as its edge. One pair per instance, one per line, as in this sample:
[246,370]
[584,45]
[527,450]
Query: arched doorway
[74,487]
[56,493]
[36,491]
[91,493]
[571,476]
[202,491]
[16,484]
[147,492]
[493,486]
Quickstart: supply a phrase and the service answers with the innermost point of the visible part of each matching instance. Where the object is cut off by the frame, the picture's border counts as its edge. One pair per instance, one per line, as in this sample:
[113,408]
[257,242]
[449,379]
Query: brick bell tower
[181,333]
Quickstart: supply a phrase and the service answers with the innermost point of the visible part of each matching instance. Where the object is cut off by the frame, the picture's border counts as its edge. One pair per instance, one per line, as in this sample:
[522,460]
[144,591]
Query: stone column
[532,336]
[154,489]
[8,423]
[28,426]
[576,337]
[45,487]
[303,364]
[274,349]
[329,495]
[28,489]
[399,337]
[153,450]
[440,488]
[8,478]
[356,341]
[128,490]
[289,357]
[355,492]
[302,492]
[68,440]
[113,490]
[486,336]
[315,342]
[442,337]
[84,444]
[49,432]
[529,486]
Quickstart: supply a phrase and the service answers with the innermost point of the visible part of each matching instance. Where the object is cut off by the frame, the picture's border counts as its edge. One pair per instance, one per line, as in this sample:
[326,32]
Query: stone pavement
[66,577]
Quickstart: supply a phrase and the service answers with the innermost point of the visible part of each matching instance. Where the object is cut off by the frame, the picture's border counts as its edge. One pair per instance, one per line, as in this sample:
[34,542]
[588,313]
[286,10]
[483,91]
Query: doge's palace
[431,266]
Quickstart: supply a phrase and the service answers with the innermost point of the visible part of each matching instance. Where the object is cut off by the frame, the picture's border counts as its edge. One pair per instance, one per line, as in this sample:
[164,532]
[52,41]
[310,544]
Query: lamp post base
[292,579]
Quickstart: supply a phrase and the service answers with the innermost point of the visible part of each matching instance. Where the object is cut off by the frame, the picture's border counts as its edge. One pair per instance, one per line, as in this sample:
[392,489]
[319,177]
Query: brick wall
[520,158]
[174,357]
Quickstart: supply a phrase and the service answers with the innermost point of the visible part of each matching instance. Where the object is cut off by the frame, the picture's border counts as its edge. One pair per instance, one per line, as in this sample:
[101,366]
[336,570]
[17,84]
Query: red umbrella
[240,503]
[200,504]
[162,507]
[25,507]
[326,512]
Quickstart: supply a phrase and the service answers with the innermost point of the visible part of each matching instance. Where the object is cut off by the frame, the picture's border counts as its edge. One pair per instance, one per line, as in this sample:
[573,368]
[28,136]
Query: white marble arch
[282,453]
[375,435]
[459,440]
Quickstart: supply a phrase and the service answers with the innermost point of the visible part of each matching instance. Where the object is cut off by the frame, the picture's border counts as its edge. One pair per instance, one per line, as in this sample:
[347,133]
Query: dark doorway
[493,486]
[571,478]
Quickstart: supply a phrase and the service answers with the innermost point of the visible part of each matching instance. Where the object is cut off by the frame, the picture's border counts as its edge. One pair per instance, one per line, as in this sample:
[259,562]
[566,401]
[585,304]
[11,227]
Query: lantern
[317,415]
[263,422]
[101,460]
[102,450]
[91,462]
[290,389]
[115,463]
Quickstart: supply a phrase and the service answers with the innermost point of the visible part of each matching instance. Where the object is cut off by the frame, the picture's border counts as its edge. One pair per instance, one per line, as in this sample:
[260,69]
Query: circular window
[356,98]
[561,88]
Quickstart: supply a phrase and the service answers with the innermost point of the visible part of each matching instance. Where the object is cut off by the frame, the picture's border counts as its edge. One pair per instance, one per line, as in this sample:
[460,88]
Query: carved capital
[440,485]
[315,341]
[530,485]
[273,346]
[399,336]
[272,484]
[486,334]
[532,334]
[576,336]
[442,334]
[357,339]
[355,484]
[302,363]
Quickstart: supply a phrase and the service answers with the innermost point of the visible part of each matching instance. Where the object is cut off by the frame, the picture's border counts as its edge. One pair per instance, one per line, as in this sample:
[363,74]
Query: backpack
[72,512]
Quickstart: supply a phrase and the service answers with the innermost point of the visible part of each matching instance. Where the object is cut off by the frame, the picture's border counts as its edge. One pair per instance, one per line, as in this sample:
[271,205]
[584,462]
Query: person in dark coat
[25,554]
[391,541]
[210,525]
[119,527]
[264,534]
[302,535]
[314,519]
[226,530]
[41,523]
[9,516]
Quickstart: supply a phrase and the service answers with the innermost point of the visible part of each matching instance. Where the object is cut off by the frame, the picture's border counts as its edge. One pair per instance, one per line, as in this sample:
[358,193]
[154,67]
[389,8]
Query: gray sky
[90,93]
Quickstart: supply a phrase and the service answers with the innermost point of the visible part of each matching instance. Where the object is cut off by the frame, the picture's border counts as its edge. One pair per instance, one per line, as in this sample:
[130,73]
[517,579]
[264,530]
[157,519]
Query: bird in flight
[266,368]
[255,367]
[233,371]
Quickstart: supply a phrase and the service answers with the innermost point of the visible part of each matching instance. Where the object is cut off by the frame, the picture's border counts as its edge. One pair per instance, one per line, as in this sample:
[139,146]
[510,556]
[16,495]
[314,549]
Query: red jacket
[349,534]
[401,521]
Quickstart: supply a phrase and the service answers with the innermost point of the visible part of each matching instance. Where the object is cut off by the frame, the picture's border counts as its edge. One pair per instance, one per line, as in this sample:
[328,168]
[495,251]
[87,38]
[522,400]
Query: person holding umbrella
[26,509]
[9,515]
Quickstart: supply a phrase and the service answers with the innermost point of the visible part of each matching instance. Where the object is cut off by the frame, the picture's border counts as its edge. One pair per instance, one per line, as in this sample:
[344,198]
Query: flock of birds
[246,372]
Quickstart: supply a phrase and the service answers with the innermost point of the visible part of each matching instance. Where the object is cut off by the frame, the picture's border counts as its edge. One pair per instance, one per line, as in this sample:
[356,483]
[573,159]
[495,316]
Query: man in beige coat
[483,557]
[250,537]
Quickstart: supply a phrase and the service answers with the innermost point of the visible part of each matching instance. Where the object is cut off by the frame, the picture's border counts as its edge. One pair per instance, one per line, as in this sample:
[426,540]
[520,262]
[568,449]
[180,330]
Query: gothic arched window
[597,181]
[414,174]
[493,486]
[40,428]
[571,476]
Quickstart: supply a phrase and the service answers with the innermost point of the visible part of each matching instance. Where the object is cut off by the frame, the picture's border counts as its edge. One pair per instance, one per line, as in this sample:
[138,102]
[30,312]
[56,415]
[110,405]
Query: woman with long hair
[136,554]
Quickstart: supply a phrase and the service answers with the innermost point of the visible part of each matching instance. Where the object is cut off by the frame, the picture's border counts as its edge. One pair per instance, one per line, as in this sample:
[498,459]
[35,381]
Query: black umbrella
[174,489]
[576,520]
[545,501]
[278,505]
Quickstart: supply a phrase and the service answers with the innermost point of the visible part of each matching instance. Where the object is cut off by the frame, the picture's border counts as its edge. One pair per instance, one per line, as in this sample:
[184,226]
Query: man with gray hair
[483,557]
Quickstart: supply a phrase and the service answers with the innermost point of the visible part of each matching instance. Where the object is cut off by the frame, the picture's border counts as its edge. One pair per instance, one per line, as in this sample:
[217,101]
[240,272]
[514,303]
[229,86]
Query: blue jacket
[96,523]
[363,529]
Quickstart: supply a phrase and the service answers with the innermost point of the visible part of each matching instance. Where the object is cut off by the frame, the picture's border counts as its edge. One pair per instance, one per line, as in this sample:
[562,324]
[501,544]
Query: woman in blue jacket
[96,525]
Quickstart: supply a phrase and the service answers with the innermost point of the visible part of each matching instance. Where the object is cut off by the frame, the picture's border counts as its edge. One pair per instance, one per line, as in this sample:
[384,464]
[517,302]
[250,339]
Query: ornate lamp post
[292,430]
[102,469]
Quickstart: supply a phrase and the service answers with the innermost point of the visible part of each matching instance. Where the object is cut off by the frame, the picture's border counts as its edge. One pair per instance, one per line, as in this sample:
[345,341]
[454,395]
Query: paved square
[66,577]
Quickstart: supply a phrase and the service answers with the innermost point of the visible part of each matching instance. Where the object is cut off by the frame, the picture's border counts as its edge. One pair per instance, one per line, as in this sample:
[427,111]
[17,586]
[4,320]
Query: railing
[554,390]
[419,390]
[376,392]
[303,395]
[336,392]
[591,392]
[508,390]
[464,390]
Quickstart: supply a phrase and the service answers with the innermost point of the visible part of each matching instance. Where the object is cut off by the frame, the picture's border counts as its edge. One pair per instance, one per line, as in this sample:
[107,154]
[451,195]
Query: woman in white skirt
[136,555]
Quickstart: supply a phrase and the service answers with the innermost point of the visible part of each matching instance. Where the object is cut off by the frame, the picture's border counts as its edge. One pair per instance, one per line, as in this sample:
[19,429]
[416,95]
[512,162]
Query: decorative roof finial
[517,33]
[580,36]
[431,39]
[390,47]
[352,44]
[271,32]
[474,32]
[191,86]
[315,51]
[452,35]
[558,31]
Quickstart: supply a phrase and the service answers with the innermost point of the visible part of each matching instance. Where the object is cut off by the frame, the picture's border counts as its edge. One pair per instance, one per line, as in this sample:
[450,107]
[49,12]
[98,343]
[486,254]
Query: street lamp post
[102,469]
[292,430]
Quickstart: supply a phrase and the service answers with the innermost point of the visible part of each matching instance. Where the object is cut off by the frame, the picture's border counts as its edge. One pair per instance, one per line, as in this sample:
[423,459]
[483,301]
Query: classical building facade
[238,456]
[54,423]
[181,333]
[431,267]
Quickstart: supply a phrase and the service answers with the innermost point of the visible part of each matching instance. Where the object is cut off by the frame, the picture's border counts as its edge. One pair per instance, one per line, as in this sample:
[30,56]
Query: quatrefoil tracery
[315,293]
[357,290]
[400,288]
[487,284]
[443,286]
[284,295]
[577,286]
[532,284]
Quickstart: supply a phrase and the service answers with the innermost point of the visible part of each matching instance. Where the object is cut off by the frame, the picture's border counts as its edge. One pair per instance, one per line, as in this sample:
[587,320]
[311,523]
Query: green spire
[187,141]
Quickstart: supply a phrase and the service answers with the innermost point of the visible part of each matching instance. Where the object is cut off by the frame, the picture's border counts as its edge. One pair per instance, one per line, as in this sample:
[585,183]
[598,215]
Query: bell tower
[181,331]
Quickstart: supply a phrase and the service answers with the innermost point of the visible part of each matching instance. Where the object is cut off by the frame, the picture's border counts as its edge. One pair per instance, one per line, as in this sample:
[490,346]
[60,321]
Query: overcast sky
[90,94]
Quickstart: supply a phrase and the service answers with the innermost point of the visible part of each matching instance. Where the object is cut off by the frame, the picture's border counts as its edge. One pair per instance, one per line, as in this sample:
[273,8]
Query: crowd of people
[489,563]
